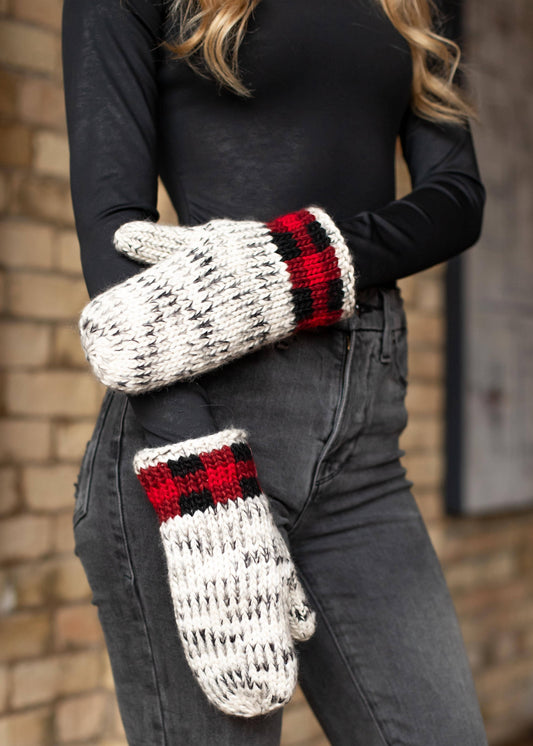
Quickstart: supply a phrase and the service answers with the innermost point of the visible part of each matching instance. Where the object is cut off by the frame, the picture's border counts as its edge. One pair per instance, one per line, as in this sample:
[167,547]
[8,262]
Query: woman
[257,368]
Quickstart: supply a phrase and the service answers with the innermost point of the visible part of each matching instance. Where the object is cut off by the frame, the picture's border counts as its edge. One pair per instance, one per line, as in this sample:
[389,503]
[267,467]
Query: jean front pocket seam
[85,474]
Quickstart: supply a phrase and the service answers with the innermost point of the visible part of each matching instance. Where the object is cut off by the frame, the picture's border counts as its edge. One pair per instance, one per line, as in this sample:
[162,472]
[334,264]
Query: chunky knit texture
[216,292]
[237,600]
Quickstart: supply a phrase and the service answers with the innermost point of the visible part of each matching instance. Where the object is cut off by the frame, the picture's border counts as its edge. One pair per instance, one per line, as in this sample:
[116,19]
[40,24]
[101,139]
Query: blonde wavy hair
[214,29]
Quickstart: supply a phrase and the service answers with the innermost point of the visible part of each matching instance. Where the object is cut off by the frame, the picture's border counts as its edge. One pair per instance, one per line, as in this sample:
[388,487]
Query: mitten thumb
[147,242]
[302,618]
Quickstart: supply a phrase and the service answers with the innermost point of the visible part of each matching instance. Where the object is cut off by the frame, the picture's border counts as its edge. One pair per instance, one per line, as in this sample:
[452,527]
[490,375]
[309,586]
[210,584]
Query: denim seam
[81,506]
[340,407]
[318,606]
[130,563]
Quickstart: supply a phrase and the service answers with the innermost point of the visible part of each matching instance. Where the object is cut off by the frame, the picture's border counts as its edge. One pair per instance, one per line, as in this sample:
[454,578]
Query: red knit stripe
[313,269]
[221,479]
[221,475]
[161,489]
[292,222]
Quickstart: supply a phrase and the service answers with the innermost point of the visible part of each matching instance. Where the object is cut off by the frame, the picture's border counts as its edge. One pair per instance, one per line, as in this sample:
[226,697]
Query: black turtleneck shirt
[331,84]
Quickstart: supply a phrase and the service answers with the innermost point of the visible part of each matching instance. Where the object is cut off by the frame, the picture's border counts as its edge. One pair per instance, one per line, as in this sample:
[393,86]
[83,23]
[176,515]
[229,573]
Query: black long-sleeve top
[331,92]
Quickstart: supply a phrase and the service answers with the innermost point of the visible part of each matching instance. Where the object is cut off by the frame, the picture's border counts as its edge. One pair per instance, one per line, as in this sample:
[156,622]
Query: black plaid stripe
[302,303]
[194,501]
[286,245]
[335,295]
[318,236]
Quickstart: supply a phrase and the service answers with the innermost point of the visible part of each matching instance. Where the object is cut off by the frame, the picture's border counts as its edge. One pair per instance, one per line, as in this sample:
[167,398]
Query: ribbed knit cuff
[319,265]
[196,475]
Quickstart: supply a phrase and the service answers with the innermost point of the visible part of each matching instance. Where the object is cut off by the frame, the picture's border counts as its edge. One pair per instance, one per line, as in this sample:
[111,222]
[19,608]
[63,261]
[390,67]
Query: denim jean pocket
[82,486]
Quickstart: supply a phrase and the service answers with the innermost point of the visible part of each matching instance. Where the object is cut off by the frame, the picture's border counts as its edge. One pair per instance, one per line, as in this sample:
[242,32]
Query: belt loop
[387,328]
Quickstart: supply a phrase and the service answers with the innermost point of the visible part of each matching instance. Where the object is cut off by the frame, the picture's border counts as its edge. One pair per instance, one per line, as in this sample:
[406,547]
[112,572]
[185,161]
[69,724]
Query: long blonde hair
[215,29]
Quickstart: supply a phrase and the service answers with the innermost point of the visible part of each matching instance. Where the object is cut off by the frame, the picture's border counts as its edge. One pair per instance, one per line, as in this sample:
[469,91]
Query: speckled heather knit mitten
[217,292]
[237,600]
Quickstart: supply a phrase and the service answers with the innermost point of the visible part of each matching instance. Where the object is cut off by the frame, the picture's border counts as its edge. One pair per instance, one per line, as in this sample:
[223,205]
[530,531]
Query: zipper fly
[339,416]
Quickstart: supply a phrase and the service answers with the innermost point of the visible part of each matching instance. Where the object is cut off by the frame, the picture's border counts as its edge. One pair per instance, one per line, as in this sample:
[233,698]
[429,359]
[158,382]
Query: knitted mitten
[237,600]
[223,289]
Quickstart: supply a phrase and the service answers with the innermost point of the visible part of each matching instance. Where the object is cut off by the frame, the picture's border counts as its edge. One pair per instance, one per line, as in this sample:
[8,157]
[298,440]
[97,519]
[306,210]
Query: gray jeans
[387,664]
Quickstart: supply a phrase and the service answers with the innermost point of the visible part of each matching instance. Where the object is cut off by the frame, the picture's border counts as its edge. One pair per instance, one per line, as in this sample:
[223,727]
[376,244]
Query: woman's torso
[331,82]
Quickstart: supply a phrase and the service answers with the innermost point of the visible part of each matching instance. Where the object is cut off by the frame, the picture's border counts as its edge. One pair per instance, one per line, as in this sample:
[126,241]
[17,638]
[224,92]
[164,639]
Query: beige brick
[23,635]
[24,440]
[45,197]
[299,726]
[62,533]
[480,601]
[40,681]
[45,12]
[58,579]
[49,487]
[166,211]
[80,718]
[26,245]
[8,93]
[8,490]
[407,287]
[403,178]
[41,101]
[468,574]
[68,352]
[30,581]
[70,394]
[425,329]
[106,671]
[117,727]
[426,363]
[424,398]
[495,679]
[71,439]
[15,144]
[430,297]
[43,296]
[5,190]
[34,682]
[4,687]
[79,671]
[422,433]
[25,537]
[77,627]
[435,273]
[68,252]
[51,154]
[26,728]
[70,581]
[430,503]
[27,47]
[425,469]
[482,540]
[24,344]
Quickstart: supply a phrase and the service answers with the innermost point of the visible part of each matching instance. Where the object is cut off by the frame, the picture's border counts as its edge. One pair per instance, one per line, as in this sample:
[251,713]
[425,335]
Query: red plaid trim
[198,482]
[304,246]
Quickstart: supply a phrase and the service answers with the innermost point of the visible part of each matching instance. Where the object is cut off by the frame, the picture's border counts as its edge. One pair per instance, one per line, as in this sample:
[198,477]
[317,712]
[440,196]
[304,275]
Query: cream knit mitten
[237,600]
[216,292]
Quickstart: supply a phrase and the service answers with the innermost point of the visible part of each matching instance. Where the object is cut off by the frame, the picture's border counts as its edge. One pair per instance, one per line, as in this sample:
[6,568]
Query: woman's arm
[110,61]
[438,219]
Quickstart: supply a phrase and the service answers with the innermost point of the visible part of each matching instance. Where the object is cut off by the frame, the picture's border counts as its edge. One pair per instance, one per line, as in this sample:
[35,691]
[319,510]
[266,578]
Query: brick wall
[55,683]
